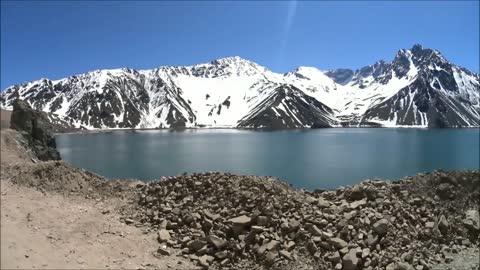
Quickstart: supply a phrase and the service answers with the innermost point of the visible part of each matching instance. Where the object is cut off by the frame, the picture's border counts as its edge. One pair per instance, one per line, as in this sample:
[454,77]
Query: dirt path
[49,231]
[468,259]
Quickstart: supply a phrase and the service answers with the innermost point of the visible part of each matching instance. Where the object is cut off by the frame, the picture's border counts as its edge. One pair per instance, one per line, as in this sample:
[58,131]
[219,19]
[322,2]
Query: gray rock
[444,191]
[241,220]
[474,216]
[260,250]
[417,201]
[326,235]
[344,251]
[337,243]
[335,257]
[204,261]
[381,227]
[225,262]
[218,242]
[270,257]
[272,245]
[257,229]
[163,251]
[350,260]
[443,224]
[196,244]
[314,230]
[262,221]
[429,225]
[372,240]
[311,247]
[289,246]
[293,225]
[358,203]
[350,215]
[355,193]
[403,266]
[221,255]
[211,216]
[286,254]
[322,203]
[365,253]
[163,235]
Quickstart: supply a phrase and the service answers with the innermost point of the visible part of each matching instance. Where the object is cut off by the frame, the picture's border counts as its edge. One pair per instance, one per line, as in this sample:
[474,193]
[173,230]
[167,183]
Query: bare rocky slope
[220,220]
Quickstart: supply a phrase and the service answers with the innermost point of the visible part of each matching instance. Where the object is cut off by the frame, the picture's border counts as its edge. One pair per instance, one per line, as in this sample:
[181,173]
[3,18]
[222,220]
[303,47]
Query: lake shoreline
[106,130]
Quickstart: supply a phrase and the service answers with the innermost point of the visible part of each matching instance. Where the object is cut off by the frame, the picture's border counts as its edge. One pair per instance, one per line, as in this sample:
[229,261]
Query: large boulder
[37,130]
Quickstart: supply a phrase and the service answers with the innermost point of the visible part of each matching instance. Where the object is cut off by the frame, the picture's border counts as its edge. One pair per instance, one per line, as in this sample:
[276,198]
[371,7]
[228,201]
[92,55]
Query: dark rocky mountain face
[36,129]
[418,88]
[423,105]
[439,94]
[288,107]
[120,102]
[442,94]
[341,76]
[357,77]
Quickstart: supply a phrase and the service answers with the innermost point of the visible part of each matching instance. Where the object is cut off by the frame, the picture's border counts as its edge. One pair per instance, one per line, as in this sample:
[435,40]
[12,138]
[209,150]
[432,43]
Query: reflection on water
[324,158]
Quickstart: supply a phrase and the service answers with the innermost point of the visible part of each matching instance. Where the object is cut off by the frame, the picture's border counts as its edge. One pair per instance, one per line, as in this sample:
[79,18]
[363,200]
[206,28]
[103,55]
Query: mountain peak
[416,47]
[227,66]
[419,52]
[306,69]
[229,60]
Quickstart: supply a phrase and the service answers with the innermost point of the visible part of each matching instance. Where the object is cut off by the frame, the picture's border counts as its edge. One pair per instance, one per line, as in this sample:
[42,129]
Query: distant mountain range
[418,88]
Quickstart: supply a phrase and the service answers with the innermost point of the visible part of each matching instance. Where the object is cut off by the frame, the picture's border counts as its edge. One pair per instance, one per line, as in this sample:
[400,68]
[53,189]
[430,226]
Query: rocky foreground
[225,220]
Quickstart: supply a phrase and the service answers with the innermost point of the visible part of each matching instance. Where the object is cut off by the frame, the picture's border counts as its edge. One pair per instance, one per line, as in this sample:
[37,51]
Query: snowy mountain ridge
[418,88]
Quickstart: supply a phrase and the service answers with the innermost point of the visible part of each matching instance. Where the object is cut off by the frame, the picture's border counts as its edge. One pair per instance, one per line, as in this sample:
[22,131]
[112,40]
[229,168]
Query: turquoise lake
[322,158]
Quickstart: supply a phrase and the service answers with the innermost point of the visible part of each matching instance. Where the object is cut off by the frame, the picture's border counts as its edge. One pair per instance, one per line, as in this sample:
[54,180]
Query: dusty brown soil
[5,118]
[49,230]
[12,151]
[42,230]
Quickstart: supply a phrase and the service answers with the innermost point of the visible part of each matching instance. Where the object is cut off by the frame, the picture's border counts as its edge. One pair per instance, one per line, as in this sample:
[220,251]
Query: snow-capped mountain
[418,88]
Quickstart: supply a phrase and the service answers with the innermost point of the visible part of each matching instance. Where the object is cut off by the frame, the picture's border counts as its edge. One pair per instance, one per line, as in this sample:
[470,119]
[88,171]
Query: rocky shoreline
[226,221]
[221,219]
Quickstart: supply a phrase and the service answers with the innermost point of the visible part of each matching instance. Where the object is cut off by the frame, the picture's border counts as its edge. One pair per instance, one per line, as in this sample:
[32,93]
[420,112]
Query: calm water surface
[325,158]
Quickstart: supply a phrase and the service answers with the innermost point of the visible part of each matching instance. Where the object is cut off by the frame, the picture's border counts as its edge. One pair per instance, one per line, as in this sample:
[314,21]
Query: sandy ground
[11,151]
[5,118]
[468,259]
[50,231]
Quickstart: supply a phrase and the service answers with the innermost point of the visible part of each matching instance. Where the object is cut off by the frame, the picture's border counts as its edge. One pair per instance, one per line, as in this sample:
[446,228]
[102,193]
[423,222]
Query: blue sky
[57,39]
